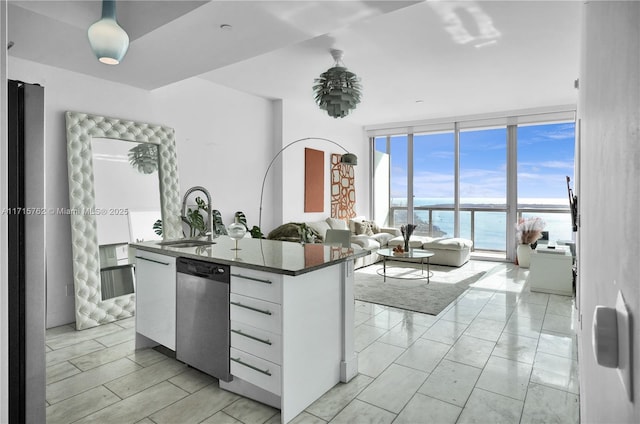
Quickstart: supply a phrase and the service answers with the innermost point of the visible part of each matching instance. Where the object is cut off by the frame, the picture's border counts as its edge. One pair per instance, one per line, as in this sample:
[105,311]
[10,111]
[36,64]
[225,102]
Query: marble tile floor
[498,354]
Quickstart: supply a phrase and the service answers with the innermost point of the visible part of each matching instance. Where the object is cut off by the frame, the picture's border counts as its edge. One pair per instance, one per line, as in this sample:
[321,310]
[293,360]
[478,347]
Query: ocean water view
[473,164]
[490,226]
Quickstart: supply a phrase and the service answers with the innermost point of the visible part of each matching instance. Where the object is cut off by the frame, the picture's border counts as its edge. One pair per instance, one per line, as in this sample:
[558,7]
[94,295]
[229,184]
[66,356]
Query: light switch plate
[624,346]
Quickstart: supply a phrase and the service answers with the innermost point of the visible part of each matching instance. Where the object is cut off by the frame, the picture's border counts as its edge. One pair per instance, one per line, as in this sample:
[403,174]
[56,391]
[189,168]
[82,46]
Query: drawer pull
[152,260]
[238,360]
[258,339]
[251,308]
[251,278]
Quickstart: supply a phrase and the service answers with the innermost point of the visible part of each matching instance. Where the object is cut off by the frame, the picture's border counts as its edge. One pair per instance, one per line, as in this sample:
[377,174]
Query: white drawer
[257,313]
[260,343]
[259,372]
[261,285]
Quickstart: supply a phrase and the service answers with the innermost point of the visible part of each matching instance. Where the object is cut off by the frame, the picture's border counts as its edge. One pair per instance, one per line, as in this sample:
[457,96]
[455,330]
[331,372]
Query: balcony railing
[486,226]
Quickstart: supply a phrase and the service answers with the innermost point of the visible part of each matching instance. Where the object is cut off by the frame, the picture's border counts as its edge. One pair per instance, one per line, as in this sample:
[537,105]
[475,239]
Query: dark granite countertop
[279,257]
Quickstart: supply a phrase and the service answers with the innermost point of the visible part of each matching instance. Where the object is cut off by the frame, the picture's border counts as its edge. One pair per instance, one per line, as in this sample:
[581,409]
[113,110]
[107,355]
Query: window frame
[561,114]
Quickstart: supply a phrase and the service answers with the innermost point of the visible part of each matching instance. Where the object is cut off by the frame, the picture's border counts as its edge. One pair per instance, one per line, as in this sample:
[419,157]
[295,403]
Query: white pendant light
[108,40]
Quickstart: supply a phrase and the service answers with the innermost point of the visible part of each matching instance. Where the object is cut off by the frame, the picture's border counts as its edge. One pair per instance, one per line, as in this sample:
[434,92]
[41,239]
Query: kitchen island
[291,314]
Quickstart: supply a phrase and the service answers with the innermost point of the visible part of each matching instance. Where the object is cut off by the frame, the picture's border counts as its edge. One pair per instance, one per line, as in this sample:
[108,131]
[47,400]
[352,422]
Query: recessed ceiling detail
[402,50]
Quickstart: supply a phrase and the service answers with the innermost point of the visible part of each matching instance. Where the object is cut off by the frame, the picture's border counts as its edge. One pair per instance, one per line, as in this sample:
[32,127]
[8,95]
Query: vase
[406,245]
[236,231]
[524,255]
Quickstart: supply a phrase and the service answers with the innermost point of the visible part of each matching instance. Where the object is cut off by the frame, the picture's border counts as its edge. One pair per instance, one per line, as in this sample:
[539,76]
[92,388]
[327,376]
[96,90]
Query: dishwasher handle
[199,274]
[207,270]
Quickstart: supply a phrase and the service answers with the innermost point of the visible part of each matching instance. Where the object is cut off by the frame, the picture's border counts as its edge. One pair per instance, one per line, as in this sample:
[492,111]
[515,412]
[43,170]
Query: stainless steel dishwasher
[202,316]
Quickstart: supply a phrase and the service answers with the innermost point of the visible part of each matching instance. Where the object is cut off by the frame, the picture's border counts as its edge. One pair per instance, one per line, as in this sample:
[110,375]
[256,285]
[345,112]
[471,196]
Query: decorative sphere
[236,231]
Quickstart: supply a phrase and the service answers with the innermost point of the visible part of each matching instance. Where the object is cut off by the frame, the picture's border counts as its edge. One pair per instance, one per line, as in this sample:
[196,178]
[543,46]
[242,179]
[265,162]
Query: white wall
[222,136]
[224,139]
[609,196]
[381,172]
[306,120]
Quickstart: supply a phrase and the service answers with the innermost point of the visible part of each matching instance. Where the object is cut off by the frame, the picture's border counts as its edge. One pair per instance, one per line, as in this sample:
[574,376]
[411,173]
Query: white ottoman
[449,251]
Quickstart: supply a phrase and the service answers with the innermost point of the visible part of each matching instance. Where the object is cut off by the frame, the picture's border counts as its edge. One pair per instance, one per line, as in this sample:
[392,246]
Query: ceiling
[416,59]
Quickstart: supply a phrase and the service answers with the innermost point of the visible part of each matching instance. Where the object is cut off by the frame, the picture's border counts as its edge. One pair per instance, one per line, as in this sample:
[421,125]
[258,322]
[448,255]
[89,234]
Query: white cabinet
[156,297]
[256,312]
[291,336]
[551,270]
[256,328]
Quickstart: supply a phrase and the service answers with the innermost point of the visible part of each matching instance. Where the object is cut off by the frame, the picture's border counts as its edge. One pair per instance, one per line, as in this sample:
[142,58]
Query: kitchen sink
[186,243]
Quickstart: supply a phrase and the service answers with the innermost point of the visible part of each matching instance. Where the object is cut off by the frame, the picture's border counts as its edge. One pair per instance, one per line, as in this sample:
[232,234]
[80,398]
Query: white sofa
[378,238]
[447,251]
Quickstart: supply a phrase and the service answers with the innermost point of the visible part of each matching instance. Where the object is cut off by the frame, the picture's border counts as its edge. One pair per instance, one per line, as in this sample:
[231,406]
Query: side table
[551,270]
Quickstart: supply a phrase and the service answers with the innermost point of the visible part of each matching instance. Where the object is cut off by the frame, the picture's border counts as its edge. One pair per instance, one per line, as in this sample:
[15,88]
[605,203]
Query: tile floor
[499,354]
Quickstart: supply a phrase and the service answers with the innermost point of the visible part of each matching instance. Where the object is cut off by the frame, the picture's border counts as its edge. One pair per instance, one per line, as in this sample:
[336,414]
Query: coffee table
[407,257]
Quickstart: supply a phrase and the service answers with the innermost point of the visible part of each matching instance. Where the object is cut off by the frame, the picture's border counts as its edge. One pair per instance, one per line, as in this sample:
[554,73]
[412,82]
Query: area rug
[410,293]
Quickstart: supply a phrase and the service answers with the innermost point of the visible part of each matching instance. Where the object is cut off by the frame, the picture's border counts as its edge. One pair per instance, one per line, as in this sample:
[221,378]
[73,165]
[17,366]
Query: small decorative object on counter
[236,231]
[406,231]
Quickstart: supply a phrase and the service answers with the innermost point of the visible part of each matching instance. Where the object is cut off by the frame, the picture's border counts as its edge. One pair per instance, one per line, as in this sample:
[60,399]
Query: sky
[545,158]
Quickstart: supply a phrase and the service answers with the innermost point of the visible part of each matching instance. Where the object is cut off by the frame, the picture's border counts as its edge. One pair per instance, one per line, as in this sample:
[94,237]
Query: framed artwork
[343,192]
[313,180]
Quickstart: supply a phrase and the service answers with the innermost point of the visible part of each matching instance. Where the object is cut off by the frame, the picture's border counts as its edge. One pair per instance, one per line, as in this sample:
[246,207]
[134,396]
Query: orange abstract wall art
[343,192]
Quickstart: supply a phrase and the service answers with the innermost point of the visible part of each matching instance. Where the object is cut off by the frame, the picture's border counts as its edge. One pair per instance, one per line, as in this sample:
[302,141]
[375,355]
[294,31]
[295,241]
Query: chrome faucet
[209,205]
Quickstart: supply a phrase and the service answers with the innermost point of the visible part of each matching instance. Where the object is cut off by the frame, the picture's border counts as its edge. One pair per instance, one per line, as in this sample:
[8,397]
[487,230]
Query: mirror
[82,129]
[127,194]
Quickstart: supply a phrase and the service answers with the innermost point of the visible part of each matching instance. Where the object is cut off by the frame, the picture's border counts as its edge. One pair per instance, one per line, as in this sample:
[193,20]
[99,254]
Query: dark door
[16,254]
[26,267]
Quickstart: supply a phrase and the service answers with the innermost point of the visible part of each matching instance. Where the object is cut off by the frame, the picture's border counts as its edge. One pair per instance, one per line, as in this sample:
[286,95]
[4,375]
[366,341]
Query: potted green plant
[254,231]
[195,220]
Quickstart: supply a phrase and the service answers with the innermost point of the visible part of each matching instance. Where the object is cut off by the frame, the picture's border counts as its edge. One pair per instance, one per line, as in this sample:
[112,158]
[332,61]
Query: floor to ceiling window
[453,179]
[483,187]
[545,159]
[398,178]
[434,183]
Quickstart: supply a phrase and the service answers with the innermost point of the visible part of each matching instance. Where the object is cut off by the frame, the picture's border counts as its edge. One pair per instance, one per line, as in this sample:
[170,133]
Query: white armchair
[340,237]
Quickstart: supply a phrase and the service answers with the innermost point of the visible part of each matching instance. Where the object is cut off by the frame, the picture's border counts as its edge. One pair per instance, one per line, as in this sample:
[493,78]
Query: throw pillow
[363,228]
[374,227]
[319,227]
[382,238]
[352,223]
[337,224]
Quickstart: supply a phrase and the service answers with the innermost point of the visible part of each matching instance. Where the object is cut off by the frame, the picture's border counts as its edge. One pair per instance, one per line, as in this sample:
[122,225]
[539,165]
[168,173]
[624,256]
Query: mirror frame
[90,309]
